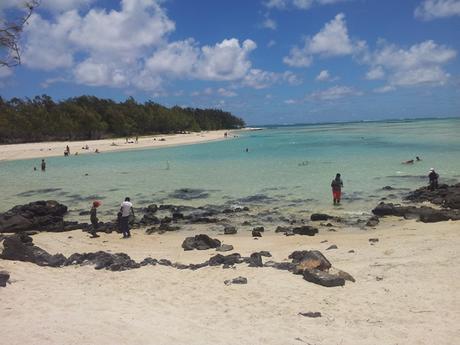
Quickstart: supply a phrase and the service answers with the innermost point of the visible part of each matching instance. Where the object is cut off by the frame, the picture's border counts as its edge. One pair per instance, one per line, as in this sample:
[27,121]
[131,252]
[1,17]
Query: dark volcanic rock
[230,230]
[282,229]
[4,278]
[424,214]
[259,228]
[445,196]
[256,233]
[323,278]
[148,261]
[226,260]
[38,215]
[103,260]
[305,230]
[14,248]
[320,216]
[237,280]
[332,247]
[311,314]
[200,242]
[255,260]
[310,259]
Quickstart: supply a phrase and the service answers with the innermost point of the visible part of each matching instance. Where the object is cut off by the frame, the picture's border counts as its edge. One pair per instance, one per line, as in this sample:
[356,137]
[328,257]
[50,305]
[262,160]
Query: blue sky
[268,61]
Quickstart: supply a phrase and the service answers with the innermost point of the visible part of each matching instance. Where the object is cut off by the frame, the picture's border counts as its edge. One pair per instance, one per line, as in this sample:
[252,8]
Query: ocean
[286,168]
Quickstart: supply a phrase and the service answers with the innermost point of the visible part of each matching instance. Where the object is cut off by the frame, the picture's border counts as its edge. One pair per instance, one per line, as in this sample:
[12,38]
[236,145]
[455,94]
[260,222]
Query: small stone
[351,251]
[332,247]
[373,240]
[324,241]
[312,314]
[224,248]
[237,280]
[379,278]
[4,278]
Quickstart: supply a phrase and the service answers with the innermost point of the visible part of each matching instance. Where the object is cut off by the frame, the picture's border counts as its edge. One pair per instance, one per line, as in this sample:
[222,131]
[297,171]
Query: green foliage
[88,117]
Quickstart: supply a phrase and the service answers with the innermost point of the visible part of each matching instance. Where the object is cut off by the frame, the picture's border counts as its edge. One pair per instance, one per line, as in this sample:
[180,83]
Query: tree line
[89,117]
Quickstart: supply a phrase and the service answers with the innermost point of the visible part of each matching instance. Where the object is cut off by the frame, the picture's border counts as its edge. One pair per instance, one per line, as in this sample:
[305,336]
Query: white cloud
[5,72]
[323,76]
[385,89]
[269,23]
[419,64]
[290,101]
[332,40]
[128,47]
[64,5]
[297,4]
[226,93]
[376,72]
[334,93]
[259,79]
[433,9]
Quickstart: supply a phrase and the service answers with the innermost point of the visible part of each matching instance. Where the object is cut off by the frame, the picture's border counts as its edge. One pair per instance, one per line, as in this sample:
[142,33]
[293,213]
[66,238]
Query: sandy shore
[407,291]
[56,148]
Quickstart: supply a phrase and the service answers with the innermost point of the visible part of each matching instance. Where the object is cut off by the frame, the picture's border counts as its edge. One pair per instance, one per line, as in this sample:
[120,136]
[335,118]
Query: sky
[267,61]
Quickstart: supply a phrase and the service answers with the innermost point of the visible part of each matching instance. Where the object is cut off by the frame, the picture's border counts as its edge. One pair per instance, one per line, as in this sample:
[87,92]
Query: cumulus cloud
[269,23]
[433,9]
[419,64]
[128,46]
[331,40]
[334,93]
[64,5]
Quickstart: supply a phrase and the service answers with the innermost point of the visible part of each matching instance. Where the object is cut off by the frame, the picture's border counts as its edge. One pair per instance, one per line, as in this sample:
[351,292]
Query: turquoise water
[293,166]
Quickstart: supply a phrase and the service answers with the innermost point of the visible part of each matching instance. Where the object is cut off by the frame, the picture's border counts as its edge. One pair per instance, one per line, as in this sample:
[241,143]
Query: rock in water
[38,215]
[4,278]
[320,216]
[323,278]
[200,242]
[230,230]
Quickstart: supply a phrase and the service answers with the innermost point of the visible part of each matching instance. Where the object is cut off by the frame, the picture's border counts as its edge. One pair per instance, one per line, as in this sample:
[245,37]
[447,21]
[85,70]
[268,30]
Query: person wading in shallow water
[336,185]
[126,210]
[94,220]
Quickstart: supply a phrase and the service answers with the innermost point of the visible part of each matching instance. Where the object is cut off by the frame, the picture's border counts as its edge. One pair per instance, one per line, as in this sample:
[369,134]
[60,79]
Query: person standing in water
[43,165]
[433,177]
[126,210]
[336,185]
[94,220]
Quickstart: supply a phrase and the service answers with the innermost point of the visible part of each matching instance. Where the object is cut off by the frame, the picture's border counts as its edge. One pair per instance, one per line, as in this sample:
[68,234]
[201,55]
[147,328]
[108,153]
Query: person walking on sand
[43,165]
[433,177]
[336,185]
[126,211]
[94,220]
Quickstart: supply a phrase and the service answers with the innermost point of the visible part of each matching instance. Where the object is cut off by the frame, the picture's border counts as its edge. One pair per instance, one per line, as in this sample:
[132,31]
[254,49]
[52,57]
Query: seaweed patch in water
[38,191]
[189,194]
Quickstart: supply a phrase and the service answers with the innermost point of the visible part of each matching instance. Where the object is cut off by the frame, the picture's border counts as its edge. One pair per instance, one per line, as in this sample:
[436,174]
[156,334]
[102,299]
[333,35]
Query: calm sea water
[291,166]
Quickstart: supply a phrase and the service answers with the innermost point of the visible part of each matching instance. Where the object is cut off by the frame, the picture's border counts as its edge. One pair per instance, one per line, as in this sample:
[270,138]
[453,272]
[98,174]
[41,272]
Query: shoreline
[10,152]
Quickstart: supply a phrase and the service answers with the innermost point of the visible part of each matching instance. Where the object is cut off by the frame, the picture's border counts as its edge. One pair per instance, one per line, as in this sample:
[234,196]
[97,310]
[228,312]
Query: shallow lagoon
[289,167]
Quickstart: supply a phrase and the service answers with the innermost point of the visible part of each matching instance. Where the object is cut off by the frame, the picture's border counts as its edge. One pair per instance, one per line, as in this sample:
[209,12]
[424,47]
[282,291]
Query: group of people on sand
[123,218]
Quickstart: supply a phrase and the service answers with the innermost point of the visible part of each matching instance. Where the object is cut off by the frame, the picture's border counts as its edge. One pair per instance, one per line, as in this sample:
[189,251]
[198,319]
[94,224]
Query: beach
[403,287]
[57,148]
[406,292]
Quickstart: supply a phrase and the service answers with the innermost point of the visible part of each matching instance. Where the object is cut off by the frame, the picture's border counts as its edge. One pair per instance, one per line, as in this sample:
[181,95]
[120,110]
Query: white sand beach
[406,291]
[57,148]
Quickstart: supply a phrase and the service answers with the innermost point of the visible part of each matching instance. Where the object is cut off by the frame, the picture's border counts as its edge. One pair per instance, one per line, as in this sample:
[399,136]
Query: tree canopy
[89,117]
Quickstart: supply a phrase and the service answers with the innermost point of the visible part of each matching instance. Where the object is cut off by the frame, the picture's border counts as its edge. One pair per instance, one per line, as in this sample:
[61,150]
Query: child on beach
[337,185]
[94,220]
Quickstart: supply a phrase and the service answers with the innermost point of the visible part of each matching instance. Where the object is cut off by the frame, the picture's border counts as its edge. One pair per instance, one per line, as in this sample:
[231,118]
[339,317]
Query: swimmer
[411,161]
